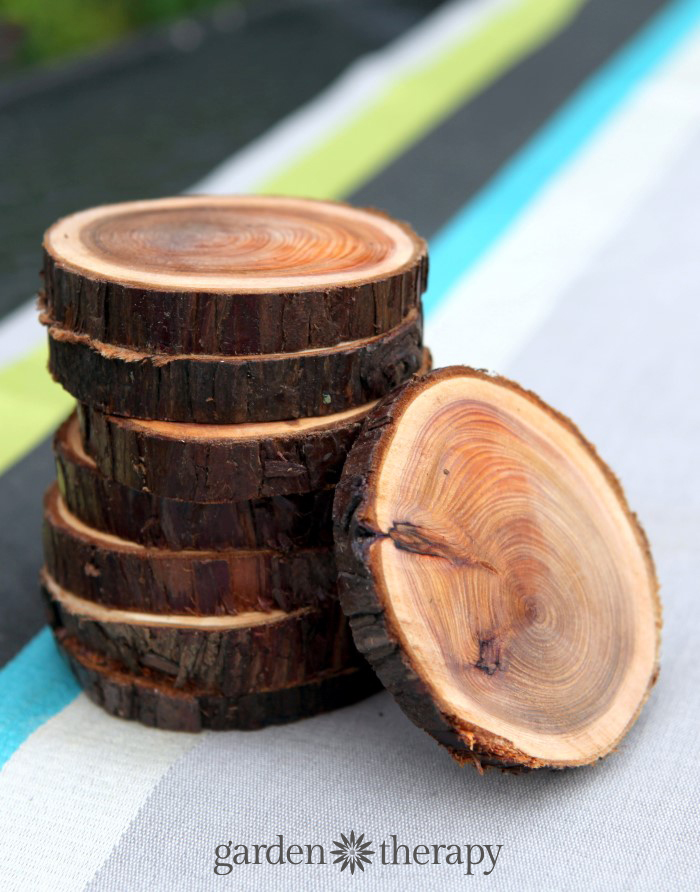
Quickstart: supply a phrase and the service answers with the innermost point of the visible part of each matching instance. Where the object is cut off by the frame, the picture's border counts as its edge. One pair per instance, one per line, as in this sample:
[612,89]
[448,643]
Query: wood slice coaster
[119,573]
[228,655]
[215,463]
[280,522]
[494,574]
[234,389]
[153,701]
[231,275]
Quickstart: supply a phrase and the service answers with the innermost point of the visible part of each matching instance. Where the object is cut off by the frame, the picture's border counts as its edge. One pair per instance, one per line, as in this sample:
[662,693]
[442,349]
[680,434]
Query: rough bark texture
[193,320]
[185,322]
[280,651]
[119,573]
[279,522]
[204,470]
[152,699]
[230,390]
[171,464]
[367,601]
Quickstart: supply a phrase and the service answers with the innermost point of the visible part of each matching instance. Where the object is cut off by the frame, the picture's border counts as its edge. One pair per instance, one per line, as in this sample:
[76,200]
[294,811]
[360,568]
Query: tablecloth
[550,151]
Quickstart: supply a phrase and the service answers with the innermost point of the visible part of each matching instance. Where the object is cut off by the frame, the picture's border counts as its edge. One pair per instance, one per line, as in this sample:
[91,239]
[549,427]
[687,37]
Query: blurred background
[546,148]
[457,116]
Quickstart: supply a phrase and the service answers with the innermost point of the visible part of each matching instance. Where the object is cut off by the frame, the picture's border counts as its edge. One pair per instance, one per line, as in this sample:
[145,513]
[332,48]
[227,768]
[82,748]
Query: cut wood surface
[152,700]
[229,655]
[234,389]
[215,463]
[231,275]
[119,573]
[494,575]
[279,522]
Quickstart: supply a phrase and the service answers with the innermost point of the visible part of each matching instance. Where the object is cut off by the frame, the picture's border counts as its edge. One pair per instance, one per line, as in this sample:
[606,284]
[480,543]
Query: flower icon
[352,852]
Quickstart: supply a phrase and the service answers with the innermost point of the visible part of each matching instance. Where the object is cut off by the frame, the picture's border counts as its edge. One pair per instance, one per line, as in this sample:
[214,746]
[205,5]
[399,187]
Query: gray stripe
[432,180]
[21,493]
[620,355]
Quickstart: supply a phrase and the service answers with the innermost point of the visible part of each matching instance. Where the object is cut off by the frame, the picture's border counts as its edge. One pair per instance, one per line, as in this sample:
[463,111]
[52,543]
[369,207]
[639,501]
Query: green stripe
[31,404]
[406,111]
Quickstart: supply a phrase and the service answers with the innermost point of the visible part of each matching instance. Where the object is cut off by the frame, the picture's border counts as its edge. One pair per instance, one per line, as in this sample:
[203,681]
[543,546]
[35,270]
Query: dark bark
[279,522]
[152,699]
[175,322]
[118,573]
[211,470]
[372,630]
[231,275]
[230,390]
[229,659]
[169,461]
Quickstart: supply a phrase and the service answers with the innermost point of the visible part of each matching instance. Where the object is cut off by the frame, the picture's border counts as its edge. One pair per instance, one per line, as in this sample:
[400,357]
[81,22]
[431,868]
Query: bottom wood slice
[153,701]
[280,522]
[118,573]
[228,655]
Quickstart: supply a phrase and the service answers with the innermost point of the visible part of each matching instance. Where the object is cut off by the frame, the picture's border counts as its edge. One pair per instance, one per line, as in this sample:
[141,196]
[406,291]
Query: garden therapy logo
[352,852]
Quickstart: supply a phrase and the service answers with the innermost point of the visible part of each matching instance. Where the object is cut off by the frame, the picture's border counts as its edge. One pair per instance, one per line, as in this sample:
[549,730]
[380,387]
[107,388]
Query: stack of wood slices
[224,353]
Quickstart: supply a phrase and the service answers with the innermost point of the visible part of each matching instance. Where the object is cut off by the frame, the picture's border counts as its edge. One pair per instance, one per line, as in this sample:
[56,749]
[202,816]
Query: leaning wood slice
[234,389]
[153,701]
[119,573]
[494,575]
[214,463]
[279,522]
[234,274]
[229,655]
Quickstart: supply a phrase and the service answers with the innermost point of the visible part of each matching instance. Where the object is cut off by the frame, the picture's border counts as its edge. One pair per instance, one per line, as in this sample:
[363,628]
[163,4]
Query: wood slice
[228,655]
[494,574]
[214,463]
[154,701]
[231,275]
[234,389]
[119,573]
[280,522]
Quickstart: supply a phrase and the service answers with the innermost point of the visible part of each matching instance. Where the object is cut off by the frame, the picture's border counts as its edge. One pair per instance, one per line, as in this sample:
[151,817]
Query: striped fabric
[549,149]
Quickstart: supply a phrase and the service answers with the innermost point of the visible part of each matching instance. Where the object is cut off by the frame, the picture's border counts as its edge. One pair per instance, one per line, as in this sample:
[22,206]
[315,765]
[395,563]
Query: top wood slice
[231,274]
[494,575]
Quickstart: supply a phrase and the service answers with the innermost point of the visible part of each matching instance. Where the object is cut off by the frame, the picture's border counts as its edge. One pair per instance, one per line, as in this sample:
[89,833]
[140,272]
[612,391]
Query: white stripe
[70,791]
[357,87]
[496,307]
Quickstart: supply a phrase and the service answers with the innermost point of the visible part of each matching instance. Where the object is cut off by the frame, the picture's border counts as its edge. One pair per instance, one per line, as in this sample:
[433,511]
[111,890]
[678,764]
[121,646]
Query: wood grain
[494,574]
[231,274]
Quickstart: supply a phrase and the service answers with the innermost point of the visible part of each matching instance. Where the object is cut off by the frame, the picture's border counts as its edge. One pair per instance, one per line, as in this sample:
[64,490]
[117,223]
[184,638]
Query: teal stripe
[36,684]
[475,229]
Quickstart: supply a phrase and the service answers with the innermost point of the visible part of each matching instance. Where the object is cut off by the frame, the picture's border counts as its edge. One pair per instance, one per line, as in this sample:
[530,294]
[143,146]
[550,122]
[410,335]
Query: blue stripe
[37,684]
[476,228]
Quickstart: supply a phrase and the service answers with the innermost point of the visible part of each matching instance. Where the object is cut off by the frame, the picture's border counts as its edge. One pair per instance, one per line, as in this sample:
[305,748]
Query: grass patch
[51,29]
